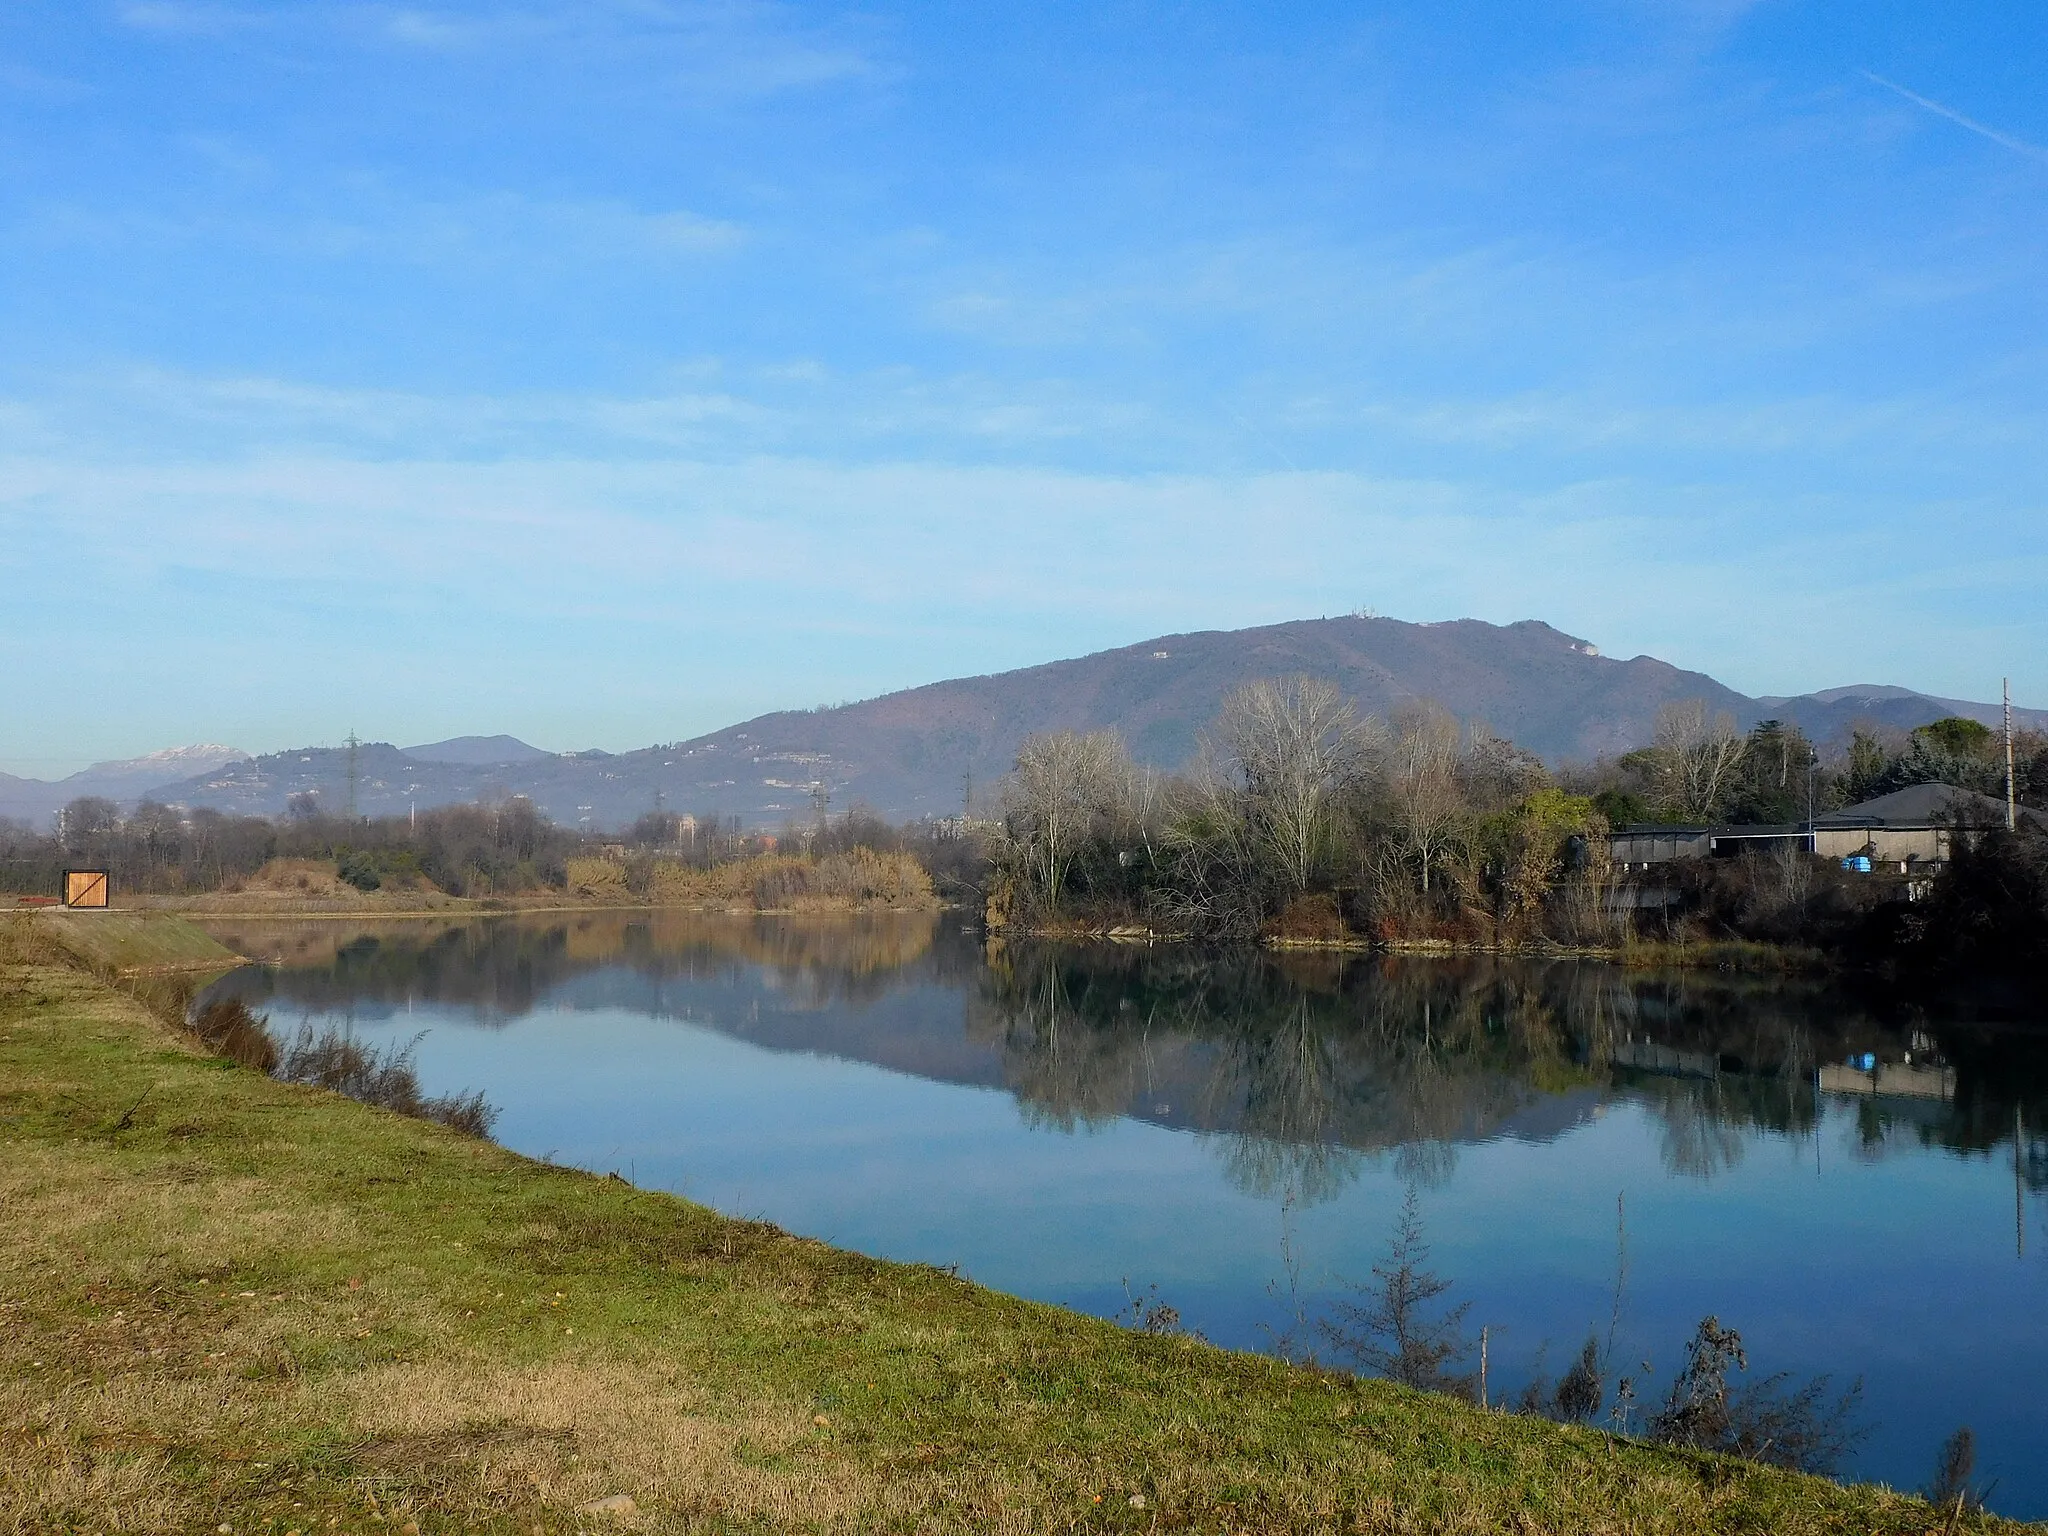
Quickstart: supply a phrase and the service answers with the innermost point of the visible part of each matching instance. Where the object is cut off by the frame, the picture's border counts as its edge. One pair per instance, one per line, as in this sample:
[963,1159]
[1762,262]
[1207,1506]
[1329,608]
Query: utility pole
[1812,826]
[2011,809]
[353,745]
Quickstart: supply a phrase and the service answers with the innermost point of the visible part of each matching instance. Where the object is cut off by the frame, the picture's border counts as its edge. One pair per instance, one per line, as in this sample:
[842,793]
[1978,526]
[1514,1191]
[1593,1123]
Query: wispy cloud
[25,84]
[2018,146]
[187,18]
[721,50]
[366,220]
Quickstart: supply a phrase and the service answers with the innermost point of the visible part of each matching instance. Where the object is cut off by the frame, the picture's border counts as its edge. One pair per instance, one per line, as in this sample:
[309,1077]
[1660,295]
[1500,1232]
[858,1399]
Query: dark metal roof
[1922,806]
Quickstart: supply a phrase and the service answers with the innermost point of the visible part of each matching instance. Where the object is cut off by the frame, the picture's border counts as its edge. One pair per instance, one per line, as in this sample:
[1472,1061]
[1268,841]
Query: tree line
[1302,819]
[1699,770]
[502,848]
[464,850]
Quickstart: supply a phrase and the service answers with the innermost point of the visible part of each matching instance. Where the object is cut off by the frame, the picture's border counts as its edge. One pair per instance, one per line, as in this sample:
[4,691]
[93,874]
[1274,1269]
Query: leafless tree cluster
[1295,804]
[1696,755]
[1068,790]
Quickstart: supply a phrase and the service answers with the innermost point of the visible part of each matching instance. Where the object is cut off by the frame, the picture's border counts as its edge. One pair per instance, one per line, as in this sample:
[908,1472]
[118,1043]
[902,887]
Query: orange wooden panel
[85,888]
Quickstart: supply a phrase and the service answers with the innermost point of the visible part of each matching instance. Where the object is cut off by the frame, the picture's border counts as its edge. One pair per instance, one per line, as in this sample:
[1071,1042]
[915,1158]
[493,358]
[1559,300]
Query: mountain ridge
[477,751]
[924,751]
[122,780]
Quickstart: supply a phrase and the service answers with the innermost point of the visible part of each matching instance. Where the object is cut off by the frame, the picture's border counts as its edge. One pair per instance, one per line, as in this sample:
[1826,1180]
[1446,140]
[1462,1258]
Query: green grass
[225,1301]
[115,942]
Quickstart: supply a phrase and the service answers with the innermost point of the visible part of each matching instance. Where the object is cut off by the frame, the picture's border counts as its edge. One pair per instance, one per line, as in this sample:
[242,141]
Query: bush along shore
[238,1303]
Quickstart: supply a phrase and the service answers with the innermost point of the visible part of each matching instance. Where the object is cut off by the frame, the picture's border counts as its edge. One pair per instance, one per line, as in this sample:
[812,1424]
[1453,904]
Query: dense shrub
[1986,916]
[359,870]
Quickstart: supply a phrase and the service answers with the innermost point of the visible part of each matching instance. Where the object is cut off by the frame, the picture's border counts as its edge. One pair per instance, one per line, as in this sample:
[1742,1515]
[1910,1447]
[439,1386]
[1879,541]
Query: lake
[1855,1186]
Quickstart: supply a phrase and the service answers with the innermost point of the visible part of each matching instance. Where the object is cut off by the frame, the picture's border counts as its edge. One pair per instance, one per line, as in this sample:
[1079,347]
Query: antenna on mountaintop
[2011,816]
[353,745]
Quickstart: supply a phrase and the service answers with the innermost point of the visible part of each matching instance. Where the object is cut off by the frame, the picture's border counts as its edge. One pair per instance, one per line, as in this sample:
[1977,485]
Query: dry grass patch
[570,1431]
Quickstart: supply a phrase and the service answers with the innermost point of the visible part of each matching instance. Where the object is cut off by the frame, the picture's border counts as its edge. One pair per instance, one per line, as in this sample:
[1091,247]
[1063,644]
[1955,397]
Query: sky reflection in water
[1061,1122]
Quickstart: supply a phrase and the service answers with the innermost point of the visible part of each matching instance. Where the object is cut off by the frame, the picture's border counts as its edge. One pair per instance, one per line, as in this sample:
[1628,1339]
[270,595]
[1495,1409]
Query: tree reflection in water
[1299,1064]
[1306,1065]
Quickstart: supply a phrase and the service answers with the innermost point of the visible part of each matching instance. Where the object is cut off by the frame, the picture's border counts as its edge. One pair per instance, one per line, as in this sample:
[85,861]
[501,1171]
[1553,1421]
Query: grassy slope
[122,941]
[267,1308]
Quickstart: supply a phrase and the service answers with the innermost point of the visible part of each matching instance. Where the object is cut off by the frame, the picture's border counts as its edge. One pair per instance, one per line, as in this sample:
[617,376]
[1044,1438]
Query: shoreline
[260,1305]
[181,907]
[1720,954]
[1724,955]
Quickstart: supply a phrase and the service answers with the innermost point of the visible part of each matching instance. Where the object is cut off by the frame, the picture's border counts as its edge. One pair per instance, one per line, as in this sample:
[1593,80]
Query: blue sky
[608,371]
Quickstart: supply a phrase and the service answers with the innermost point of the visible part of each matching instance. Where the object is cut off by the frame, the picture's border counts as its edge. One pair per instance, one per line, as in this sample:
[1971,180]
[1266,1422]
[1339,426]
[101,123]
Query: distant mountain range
[921,751]
[126,781]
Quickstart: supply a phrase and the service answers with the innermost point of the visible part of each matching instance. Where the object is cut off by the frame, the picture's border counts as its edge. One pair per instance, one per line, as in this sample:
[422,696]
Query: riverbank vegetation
[505,854]
[1399,1327]
[1299,823]
[858,878]
[232,1301]
[1303,823]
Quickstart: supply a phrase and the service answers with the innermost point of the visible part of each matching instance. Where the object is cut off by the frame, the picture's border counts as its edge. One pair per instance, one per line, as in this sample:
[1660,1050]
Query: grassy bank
[116,944]
[225,1301]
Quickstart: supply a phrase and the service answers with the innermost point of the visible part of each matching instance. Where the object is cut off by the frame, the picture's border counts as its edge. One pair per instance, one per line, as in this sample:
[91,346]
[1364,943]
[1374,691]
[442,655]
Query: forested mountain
[919,752]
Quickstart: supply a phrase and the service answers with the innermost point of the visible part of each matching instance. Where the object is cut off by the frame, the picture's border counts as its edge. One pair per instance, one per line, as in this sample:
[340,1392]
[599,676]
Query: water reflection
[1300,1064]
[1824,1170]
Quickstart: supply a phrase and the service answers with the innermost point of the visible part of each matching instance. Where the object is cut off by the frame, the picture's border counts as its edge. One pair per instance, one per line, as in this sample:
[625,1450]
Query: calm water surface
[1080,1125]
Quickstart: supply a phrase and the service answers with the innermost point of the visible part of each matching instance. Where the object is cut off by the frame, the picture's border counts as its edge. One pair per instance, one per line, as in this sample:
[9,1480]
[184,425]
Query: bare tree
[1697,754]
[1066,789]
[1772,1421]
[155,827]
[1212,852]
[1423,793]
[1955,1482]
[87,820]
[1496,772]
[1294,743]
